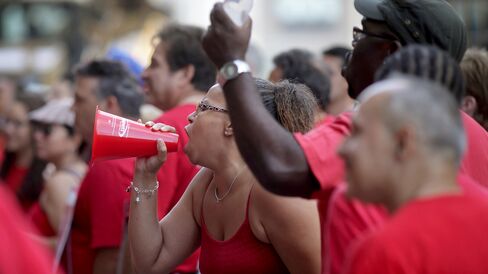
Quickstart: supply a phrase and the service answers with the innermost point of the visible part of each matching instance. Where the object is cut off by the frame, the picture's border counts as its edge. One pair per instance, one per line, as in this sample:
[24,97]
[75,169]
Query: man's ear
[186,74]
[469,105]
[405,140]
[228,131]
[112,105]
[394,46]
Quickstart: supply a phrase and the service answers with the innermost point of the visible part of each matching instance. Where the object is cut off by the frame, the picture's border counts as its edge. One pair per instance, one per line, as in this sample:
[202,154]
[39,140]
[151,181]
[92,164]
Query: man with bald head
[436,227]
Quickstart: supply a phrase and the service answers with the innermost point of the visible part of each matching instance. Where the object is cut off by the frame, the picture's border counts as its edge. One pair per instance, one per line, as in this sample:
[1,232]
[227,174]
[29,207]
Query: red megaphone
[115,137]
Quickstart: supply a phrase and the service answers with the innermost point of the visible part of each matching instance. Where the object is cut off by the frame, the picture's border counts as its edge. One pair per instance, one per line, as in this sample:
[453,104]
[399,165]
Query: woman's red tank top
[242,253]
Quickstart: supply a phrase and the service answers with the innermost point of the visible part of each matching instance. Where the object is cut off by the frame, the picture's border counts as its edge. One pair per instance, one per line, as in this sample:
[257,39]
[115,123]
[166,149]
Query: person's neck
[66,160]
[345,104]
[24,157]
[320,116]
[434,179]
[193,97]
[233,170]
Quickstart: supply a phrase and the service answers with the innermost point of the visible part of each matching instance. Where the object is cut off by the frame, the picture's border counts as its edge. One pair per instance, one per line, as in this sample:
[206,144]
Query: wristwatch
[231,70]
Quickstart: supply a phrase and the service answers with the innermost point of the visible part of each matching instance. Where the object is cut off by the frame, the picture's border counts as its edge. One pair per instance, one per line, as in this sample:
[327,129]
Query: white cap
[56,111]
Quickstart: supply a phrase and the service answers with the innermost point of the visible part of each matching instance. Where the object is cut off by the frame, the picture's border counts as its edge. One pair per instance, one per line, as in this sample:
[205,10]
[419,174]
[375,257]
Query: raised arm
[160,247]
[272,153]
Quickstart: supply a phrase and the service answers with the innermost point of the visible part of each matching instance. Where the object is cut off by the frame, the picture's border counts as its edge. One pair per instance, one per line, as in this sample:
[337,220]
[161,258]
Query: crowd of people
[365,160]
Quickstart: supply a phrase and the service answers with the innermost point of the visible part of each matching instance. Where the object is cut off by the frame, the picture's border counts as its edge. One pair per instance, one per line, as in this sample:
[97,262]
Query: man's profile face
[276,75]
[368,54]
[338,83]
[85,105]
[159,83]
[368,152]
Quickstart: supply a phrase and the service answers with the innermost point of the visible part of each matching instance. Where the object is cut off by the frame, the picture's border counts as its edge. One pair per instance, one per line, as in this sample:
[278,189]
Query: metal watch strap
[238,65]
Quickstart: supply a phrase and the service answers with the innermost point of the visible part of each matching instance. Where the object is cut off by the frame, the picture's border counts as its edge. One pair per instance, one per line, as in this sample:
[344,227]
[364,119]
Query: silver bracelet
[139,191]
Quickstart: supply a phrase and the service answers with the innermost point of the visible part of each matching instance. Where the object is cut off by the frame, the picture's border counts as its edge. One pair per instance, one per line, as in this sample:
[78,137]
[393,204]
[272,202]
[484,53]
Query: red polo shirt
[100,211]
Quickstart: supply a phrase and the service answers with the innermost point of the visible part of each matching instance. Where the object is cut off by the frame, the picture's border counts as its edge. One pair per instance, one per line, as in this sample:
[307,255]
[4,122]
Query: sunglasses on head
[43,128]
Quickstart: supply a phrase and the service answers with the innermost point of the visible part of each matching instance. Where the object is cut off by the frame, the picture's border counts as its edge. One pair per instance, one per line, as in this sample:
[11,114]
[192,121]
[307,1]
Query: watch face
[231,70]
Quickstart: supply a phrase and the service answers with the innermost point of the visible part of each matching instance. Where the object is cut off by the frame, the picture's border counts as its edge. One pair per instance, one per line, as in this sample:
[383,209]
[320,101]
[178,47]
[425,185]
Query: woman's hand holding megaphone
[146,168]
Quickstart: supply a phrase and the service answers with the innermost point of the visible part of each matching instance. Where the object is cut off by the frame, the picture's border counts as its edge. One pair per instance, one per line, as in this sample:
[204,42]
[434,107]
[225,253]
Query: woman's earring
[228,132]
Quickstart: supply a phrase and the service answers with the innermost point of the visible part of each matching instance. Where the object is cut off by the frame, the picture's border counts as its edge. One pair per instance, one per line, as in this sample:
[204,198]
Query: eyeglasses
[358,34]
[203,106]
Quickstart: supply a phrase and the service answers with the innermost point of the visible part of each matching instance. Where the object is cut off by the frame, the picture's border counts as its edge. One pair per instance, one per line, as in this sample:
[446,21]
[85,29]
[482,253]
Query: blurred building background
[43,39]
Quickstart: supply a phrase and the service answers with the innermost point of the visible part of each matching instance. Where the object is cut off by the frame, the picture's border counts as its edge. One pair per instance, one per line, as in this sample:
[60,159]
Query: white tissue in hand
[238,10]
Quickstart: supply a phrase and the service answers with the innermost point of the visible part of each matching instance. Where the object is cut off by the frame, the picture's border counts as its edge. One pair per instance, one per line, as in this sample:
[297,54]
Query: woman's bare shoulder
[275,209]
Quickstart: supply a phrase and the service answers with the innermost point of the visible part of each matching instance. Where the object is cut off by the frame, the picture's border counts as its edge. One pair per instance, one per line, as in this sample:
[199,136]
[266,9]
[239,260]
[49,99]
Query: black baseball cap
[432,22]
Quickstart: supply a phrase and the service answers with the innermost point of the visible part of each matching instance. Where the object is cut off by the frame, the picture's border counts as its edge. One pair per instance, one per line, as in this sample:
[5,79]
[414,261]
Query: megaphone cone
[115,137]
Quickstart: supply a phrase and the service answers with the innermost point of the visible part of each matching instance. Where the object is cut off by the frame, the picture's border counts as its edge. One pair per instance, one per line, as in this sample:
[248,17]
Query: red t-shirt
[320,146]
[475,161]
[19,254]
[348,220]
[445,234]
[100,211]
[177,172]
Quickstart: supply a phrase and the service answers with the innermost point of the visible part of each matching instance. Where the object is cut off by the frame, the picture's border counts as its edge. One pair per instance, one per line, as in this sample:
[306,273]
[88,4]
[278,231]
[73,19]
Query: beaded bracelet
[139,190]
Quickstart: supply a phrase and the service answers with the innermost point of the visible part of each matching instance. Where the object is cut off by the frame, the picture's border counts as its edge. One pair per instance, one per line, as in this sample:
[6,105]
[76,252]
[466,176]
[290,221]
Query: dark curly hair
[426,62]
[292,105]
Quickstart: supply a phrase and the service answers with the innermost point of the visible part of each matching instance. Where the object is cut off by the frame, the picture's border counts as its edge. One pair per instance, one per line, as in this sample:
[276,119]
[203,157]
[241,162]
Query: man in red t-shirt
[102,205]
[433,64]
[176,80]
[413,130]
[19,253]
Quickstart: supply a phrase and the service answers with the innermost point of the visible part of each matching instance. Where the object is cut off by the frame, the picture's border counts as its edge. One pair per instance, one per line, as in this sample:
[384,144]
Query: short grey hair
[426,105]
[114,80]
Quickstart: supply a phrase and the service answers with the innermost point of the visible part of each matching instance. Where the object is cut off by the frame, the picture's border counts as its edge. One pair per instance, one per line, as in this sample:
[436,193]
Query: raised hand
[224,41]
